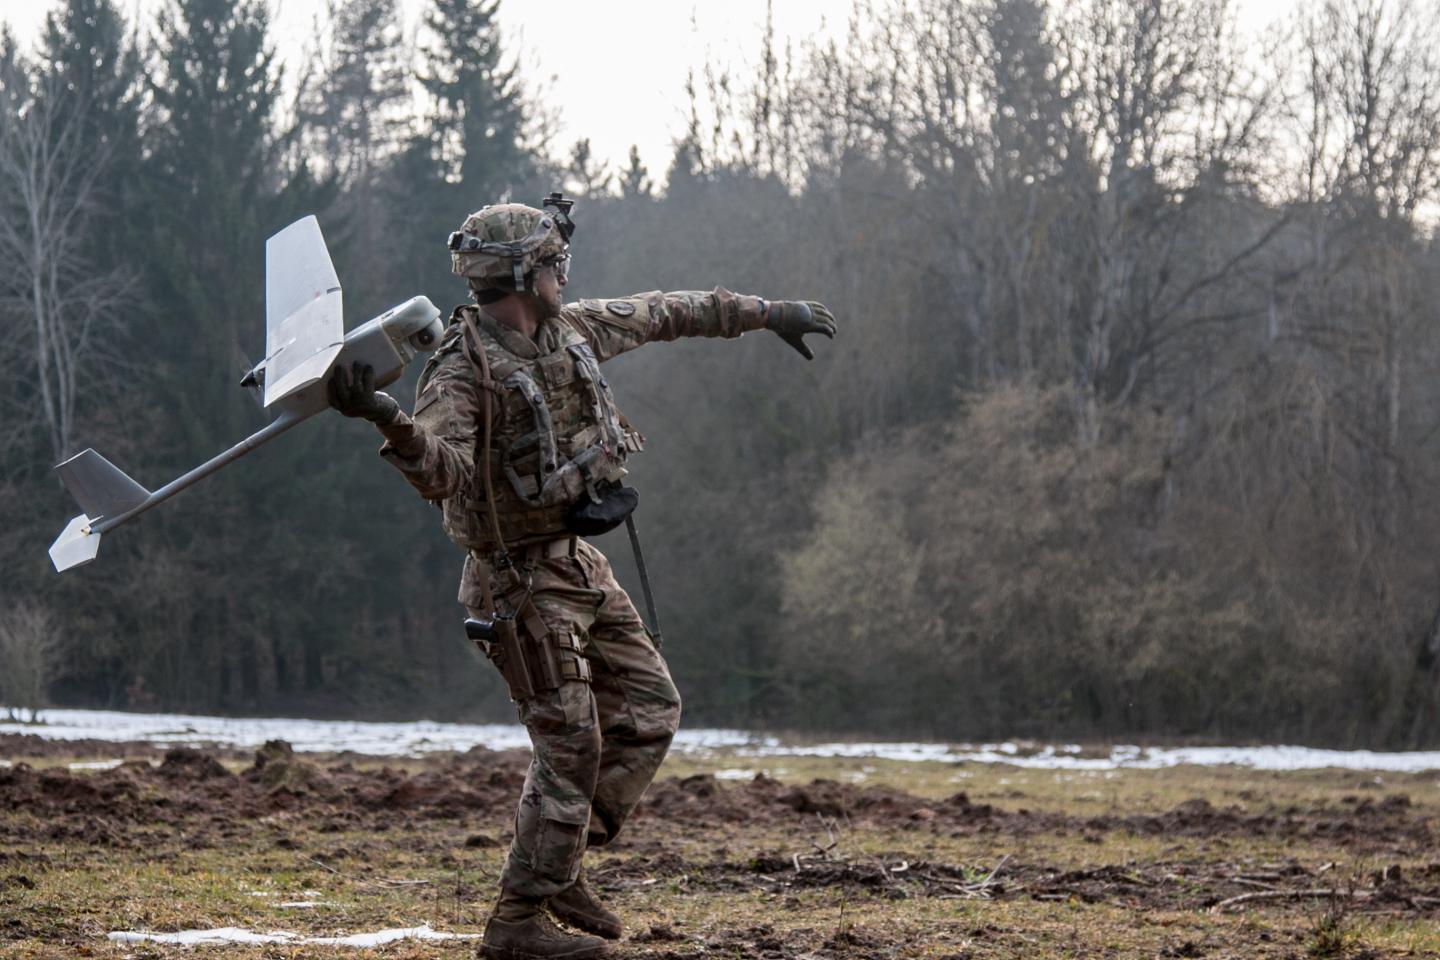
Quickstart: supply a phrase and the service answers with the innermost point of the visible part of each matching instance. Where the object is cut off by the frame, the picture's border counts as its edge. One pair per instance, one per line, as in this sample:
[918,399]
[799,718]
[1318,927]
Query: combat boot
[519,929]
[578,906]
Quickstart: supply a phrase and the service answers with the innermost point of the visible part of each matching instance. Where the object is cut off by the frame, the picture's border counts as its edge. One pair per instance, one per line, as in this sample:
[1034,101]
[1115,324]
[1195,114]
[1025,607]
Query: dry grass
[1077,879]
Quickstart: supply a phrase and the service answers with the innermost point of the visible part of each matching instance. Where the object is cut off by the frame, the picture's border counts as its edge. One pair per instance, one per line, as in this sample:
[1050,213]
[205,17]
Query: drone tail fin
[103,491]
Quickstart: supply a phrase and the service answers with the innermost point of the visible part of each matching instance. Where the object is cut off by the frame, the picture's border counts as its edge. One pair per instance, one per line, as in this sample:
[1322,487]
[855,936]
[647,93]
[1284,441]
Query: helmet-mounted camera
[562,205]
[461,242]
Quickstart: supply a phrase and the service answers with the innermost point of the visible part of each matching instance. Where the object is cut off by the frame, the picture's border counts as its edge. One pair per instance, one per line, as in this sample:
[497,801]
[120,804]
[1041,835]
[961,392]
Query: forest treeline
[1132,428]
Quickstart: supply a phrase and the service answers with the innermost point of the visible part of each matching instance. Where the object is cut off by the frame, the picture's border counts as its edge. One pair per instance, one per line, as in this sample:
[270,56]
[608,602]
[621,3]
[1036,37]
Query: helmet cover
[500,245]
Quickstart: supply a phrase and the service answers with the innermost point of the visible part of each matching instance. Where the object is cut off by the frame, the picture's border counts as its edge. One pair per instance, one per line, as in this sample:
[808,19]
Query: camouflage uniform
[600,735]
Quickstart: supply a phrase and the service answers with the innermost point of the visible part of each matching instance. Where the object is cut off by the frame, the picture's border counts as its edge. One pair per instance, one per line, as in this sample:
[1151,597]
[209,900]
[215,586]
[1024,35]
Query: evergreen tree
[635,178]
[353,120]
[587,175]
[352,112]
[83,48]
[217,187]
[471,150]
[213,170]
[480,116]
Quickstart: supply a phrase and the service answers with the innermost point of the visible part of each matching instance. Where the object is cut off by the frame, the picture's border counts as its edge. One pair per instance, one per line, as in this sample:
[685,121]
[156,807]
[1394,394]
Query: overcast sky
[618,66]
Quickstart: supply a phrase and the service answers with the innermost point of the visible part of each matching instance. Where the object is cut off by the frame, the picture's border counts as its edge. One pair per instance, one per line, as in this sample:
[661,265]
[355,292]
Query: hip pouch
[603,511]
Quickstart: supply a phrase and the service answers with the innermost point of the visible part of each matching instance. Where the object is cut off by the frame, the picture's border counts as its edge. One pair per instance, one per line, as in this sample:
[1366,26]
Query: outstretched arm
[614,326]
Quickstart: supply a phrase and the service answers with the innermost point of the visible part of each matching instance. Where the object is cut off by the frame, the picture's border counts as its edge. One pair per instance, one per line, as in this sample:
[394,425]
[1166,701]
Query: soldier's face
[548,286]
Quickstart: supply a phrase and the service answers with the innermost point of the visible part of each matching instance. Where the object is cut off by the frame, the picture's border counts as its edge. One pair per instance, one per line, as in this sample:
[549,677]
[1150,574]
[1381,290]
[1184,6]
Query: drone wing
[304,321]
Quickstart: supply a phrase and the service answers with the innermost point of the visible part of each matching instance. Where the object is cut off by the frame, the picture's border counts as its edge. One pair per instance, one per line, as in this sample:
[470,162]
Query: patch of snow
[95,765]
[734,773]
[909,752]
[303,904]
[421,737]
[1125,756]
[221,935]
[190,938]
[330,736]
[4,763]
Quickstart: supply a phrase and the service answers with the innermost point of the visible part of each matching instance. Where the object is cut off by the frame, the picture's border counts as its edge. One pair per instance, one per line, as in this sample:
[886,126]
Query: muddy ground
[762,867]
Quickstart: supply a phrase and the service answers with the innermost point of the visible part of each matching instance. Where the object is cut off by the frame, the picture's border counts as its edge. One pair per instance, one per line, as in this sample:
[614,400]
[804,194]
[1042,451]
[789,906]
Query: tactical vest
[557,437]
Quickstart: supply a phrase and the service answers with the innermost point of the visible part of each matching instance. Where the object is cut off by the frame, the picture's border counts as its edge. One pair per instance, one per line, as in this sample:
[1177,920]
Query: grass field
[796,858]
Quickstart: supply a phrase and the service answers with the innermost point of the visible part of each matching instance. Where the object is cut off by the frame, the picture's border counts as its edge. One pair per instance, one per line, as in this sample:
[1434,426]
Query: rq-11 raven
[304,340]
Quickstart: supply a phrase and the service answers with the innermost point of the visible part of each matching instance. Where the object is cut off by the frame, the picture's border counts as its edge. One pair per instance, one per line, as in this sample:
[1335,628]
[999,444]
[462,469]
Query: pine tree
[352,111]
[473,149]
[351,121]
[588,175]
[213,171]
[480,117]
[635,178]
[84,49]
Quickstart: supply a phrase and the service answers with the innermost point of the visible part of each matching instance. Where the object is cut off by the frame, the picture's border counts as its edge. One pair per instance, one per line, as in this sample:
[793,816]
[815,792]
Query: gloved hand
[353,393]
[792,319]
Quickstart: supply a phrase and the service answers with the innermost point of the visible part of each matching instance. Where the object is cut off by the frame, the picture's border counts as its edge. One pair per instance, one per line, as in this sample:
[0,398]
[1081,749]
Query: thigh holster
[530,656]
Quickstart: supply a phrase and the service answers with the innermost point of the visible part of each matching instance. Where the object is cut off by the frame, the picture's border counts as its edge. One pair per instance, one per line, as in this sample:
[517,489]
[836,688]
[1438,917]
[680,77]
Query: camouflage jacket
[437,449]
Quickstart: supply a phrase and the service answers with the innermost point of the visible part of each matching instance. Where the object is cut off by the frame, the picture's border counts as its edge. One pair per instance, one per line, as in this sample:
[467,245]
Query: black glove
[353,393]
[792,319]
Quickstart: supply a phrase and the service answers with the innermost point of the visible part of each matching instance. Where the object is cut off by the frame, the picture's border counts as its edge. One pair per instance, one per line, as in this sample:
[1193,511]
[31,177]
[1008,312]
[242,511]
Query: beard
[550,306]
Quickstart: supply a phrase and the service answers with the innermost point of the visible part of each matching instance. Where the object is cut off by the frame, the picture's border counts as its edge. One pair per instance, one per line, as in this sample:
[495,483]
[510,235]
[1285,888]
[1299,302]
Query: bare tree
[1367,108]
[47,194]
[1166,118]
[29,646]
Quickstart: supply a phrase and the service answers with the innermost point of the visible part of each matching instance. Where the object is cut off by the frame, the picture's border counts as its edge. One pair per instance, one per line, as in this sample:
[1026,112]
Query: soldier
[516,436]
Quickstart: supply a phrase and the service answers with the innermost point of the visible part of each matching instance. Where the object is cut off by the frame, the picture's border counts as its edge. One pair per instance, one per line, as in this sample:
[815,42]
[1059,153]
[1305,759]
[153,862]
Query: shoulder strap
[475,353]
[453,340]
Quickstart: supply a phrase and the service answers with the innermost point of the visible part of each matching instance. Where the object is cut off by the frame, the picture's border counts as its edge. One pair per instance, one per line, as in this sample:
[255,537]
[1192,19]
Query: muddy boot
[578,906]
[519,929]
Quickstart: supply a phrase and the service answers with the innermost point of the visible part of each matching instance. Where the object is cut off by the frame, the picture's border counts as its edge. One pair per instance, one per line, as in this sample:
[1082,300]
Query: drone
[304,341]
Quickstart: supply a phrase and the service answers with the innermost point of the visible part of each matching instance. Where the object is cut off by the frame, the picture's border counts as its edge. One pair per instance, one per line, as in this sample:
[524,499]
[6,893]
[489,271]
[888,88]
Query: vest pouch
[590,519]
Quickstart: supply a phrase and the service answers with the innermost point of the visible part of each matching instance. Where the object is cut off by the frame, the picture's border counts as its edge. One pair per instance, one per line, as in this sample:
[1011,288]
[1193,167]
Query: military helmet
[500,245]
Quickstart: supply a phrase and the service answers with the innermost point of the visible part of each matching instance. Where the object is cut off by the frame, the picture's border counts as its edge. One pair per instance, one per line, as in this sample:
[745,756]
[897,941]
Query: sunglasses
[560,264]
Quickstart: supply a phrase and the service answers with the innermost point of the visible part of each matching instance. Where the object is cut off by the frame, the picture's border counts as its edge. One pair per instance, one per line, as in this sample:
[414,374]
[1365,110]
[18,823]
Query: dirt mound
[183,763]
[1389,820]
[190,785]
[699,798]
[278,771]
[25,746]
[18,746]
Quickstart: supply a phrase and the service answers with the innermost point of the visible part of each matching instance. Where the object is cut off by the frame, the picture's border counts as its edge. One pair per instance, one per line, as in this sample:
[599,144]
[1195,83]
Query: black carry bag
[590,518]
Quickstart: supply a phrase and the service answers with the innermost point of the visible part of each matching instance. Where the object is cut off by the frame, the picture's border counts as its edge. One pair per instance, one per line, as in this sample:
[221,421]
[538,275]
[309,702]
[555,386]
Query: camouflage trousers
[596,745]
